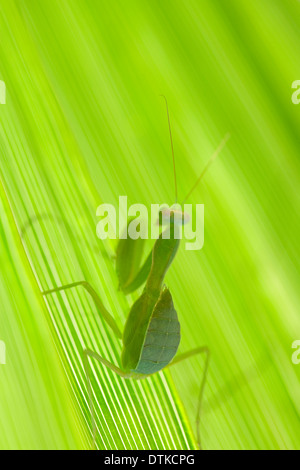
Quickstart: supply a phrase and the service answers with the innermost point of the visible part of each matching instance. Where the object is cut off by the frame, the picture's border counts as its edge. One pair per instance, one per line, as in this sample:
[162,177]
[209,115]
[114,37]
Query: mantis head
[173,215]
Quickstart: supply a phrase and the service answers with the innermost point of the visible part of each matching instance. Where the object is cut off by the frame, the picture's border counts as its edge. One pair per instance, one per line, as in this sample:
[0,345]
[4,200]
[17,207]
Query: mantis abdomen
[162,337]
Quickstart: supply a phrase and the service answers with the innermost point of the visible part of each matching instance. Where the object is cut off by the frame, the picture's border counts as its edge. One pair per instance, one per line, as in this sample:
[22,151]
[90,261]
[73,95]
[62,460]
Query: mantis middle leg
[98,302]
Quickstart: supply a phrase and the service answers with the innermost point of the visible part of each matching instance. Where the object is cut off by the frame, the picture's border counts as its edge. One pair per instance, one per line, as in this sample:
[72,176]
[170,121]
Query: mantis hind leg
[86,354]
[202,350]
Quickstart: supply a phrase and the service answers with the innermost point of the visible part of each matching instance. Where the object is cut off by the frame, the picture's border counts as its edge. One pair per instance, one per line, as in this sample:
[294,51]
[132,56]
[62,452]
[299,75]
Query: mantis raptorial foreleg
[201,350]
[140,277]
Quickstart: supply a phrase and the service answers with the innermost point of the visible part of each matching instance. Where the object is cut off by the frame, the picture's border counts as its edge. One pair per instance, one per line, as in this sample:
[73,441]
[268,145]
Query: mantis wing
[151,335]
[162,337]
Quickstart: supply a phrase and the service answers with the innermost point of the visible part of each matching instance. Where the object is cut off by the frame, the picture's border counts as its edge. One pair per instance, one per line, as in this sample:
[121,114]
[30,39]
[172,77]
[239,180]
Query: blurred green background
[83,123]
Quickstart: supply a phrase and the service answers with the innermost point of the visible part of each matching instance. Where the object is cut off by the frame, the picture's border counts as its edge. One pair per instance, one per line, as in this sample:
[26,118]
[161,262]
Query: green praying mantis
[151,333]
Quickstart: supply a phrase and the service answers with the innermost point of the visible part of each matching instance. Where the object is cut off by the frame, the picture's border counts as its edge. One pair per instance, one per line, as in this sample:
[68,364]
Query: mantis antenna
[210,161]
[172,148]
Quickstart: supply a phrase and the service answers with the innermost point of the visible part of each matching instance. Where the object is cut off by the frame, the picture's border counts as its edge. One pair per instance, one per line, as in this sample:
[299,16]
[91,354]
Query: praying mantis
[151,334]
